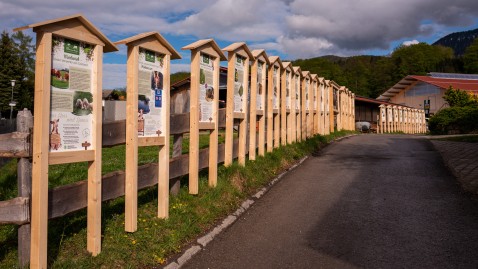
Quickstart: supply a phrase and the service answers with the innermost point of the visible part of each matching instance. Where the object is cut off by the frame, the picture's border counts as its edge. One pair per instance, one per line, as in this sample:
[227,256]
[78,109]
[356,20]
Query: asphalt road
[371,201]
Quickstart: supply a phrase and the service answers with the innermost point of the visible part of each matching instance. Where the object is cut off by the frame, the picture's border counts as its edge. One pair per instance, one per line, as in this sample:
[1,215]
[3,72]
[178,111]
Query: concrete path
[370,201]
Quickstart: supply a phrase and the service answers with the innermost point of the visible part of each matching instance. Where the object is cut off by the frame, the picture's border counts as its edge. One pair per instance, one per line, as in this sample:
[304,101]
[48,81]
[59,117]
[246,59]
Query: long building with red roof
[412,90]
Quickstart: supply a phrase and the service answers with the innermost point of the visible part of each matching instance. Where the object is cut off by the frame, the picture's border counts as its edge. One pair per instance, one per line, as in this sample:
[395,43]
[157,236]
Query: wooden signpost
[305,104]
[315,115]
[204,105]
[238,56]
[298,103]
[258,103]
[395,118]
[321,105]
[273,103]
[327,94]
[68,120]
[389,119]
[147,120]
[353,112]
[286,103]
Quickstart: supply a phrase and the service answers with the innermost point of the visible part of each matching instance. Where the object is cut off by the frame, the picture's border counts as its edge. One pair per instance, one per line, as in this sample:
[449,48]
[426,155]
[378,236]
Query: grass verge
[158,239]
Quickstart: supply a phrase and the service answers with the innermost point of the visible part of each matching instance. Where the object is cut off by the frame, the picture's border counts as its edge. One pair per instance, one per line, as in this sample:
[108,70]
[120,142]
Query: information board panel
[71,105]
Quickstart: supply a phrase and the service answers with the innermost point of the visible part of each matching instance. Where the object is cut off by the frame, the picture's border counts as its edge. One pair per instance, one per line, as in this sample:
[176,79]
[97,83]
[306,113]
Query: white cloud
[320,27]
[235,20]
[410,42]
[114,76]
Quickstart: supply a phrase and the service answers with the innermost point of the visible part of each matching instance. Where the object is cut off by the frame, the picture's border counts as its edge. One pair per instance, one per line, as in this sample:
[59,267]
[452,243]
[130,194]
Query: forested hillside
[371,75]
[458,41]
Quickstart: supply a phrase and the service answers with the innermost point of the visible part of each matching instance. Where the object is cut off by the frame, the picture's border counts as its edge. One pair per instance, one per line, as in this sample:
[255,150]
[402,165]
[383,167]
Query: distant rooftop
[454,76]
[465,82]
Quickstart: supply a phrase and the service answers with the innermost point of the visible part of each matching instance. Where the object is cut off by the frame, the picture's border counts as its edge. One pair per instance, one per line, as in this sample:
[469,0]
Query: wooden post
[80,47]
[257,107]
[24,183]
[204,105]
[239,56]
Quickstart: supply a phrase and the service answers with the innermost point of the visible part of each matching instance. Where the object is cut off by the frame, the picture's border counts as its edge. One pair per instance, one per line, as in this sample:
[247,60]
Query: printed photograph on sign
[150,93]
[206,90]
[260,87]
[287,89]
[71,100]
[275,79]
[239,84]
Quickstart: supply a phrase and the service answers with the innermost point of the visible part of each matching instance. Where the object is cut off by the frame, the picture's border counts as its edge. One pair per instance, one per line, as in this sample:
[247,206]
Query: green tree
[16,63]
[25,51]
[9,63]
[458,98]
[470,58]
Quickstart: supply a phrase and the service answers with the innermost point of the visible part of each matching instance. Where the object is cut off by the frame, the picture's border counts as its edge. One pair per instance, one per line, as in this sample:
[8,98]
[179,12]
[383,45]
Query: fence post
[177,151]
[24,183]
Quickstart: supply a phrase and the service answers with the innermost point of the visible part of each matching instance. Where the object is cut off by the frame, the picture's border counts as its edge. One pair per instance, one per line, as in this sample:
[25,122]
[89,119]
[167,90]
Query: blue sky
[291,29]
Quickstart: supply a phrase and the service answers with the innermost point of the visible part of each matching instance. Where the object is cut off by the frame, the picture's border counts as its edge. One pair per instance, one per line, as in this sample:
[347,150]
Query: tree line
[17,62]
[370,76]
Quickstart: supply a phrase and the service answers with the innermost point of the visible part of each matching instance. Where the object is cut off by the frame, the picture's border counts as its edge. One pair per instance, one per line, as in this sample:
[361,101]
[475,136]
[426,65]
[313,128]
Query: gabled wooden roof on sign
[306,74]
[156,35]
[204,42]
[49,26]
[261,53]
[275,59]
[287,65]
[238,46]
[297,70]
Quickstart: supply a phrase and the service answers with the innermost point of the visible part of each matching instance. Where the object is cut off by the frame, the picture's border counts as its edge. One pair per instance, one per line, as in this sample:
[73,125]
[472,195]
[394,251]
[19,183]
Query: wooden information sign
[286,106]
[238,56]
[273,103]
[147,120]
[258,103]
[321,106]
[204,105]
[305,104]
[314,117]
[298,103]
[68,118]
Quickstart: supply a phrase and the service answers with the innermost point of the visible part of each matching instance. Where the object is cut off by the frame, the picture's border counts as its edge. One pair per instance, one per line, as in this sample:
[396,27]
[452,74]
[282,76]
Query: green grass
[468,139]
[157,239]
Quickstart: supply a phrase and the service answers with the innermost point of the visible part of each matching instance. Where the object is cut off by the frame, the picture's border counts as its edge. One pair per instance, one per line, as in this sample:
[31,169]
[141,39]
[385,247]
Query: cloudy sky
[291,29]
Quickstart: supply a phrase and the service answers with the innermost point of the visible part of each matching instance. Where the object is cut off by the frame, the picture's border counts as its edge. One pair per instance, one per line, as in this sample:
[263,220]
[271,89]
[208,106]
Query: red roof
[375,101]
[445,83]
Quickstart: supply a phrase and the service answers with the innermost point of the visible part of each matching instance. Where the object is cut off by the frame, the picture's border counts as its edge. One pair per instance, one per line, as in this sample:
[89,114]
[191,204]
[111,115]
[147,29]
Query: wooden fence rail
[72,197]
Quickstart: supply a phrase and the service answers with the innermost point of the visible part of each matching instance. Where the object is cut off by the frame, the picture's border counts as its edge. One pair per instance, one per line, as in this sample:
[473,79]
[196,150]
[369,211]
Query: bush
[454,120]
